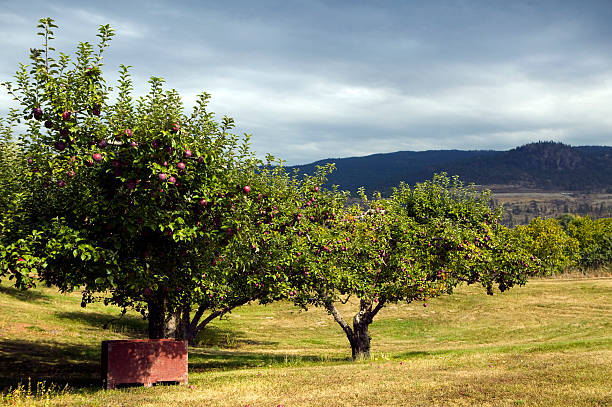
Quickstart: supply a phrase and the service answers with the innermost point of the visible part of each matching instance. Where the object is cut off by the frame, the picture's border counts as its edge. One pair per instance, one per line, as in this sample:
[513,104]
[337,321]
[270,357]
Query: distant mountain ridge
[541,165]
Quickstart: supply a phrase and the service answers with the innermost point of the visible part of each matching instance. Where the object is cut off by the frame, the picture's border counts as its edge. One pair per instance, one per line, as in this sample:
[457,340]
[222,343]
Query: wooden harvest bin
[143,362]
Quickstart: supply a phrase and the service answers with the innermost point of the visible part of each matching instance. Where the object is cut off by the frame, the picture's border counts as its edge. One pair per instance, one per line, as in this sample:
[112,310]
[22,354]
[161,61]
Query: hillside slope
[542,165]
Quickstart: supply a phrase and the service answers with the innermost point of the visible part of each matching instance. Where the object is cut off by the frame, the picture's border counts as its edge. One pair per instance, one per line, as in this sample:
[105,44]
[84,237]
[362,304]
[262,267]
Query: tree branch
[329,306]
[378,307]
[193,324]
[347,298]
[212,315]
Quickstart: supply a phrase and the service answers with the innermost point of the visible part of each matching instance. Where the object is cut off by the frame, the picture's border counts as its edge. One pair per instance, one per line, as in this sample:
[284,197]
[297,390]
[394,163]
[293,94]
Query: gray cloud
[319,79]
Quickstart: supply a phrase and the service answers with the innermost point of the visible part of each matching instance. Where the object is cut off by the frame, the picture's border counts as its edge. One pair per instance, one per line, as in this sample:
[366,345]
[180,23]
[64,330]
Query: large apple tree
[256,260]
[131,199]
[419,244]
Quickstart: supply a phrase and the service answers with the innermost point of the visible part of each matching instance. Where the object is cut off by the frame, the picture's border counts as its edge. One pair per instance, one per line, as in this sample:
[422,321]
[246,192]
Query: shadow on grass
[49,361]
[24,295]
[78,365]
[217,348]
[202,360]
[215,337]
[129,325]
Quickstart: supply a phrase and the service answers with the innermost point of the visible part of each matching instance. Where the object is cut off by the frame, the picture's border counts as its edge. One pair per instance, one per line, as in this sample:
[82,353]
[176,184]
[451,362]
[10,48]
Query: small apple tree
[132,198]
[419,244]
[594,239]
[546,240]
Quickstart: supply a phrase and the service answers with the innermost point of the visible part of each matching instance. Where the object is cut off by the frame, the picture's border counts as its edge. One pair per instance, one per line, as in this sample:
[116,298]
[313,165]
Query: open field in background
[548,343]
[521,206]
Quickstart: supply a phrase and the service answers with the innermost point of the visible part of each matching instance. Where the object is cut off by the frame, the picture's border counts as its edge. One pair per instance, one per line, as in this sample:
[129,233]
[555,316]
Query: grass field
[546,344]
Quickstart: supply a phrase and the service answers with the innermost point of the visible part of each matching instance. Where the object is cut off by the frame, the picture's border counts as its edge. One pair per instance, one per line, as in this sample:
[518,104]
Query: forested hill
[542,165]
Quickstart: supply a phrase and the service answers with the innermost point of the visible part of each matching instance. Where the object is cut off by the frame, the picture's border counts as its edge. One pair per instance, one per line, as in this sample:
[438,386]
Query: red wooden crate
[143,361]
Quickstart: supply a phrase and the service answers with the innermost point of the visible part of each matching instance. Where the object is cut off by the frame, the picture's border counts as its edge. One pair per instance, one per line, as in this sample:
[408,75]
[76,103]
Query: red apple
[176,127]
[66,115]
[128,132]
[61,183]
[203,202]
[187,153]
[70,173]
[49,124]
[37,111]
[96,110]
[162,177]
[180,166]
[97,157]
[102,143]
[246,189]
[60,145]
[172,180]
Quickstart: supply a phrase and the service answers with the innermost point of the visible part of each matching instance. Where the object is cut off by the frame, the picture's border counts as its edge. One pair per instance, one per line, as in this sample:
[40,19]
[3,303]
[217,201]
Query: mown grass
[548,343]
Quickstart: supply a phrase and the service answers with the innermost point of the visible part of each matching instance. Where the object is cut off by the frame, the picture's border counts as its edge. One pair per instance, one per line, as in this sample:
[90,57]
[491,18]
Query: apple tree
[546,240]
[594,239]
[420,243]
[130,199]
[12,171]
[260,250]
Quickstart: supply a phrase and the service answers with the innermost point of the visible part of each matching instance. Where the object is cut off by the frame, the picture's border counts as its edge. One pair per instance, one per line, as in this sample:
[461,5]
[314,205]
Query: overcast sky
[317,79]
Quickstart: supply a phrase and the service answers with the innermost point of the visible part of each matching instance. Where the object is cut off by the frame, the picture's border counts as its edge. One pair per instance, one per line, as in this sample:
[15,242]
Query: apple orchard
[139,203]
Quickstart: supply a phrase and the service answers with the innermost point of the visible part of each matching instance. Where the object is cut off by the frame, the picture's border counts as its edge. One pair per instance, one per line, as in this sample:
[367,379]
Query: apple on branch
[38,113]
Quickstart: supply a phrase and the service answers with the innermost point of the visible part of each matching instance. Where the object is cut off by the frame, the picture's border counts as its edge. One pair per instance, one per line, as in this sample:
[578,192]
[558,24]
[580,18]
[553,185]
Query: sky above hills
[317,79]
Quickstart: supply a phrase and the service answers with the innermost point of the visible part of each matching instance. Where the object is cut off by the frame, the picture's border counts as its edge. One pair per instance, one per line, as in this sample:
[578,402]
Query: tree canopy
[131,197]
[419,244]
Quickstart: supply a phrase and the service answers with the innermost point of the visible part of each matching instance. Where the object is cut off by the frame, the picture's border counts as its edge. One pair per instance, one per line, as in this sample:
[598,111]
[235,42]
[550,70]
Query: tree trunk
[172,325]
[157,319]
[358,336]
[179,325]
[182,331]
[360,340]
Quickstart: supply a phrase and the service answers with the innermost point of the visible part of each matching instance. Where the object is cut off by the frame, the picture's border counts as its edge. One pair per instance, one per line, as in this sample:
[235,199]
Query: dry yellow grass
[546,344]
